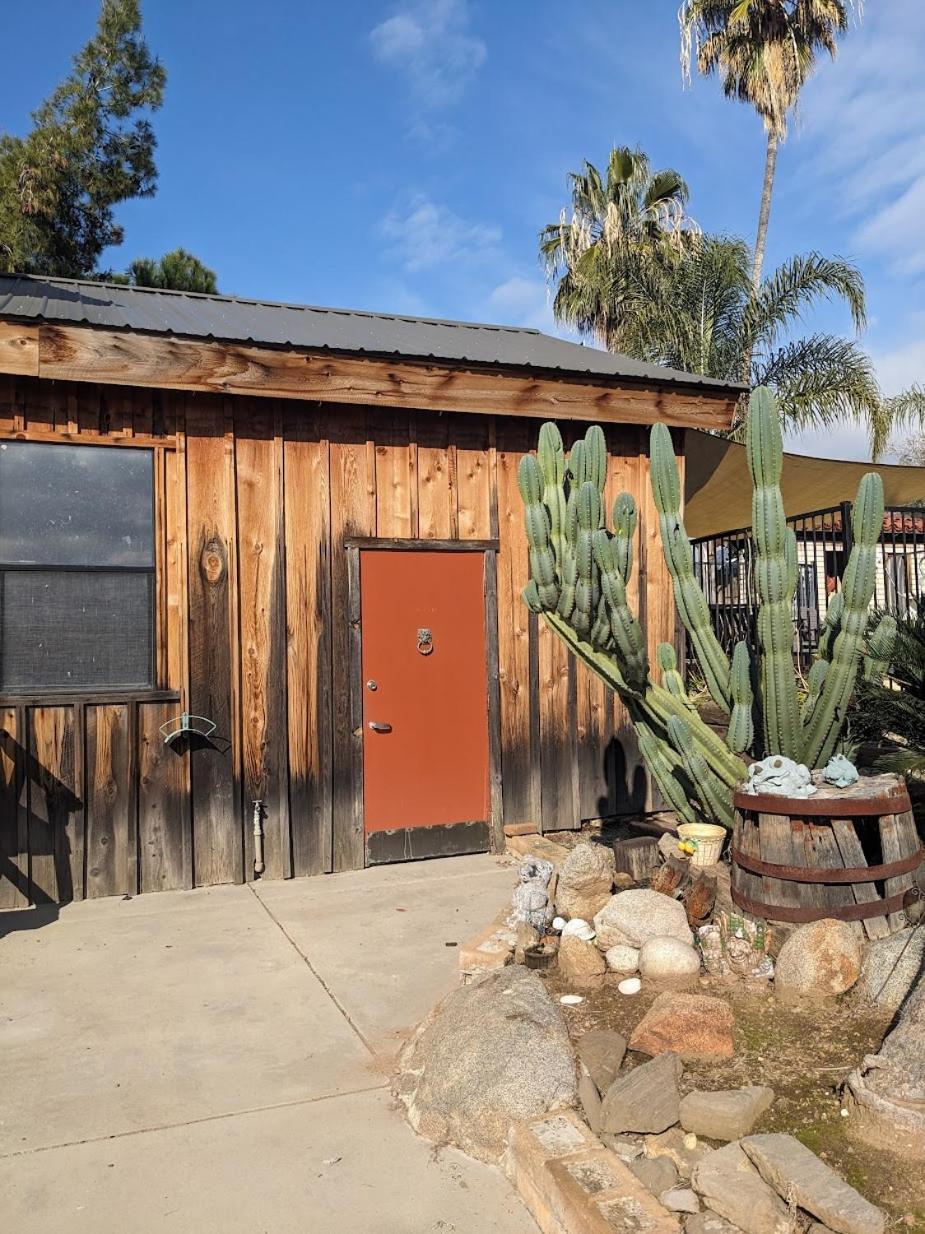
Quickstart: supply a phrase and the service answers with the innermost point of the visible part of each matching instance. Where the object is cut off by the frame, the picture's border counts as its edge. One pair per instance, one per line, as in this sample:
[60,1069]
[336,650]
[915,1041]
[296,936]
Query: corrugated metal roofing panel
[230,319]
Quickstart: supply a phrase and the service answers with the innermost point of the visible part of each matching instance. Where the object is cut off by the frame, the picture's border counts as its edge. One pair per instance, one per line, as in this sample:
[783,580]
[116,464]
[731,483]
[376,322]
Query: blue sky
[403,156]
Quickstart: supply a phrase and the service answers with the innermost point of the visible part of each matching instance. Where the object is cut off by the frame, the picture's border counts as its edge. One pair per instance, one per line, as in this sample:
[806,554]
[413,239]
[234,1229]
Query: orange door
[425,694]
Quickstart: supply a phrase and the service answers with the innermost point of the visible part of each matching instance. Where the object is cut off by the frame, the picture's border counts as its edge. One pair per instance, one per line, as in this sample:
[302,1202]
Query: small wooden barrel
[844,853]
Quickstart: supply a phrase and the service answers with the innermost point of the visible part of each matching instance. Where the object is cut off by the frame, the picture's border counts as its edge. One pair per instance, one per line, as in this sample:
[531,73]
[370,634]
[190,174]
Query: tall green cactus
[580,575]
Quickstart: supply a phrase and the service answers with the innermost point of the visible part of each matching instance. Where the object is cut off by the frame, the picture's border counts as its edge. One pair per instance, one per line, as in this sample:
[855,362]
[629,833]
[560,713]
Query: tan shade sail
[718,488]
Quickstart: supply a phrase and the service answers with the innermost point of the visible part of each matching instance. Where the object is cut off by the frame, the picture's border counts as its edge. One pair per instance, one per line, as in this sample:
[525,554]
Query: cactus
[776,577]
[740,735]
[880,649]
[831,711]
[580,573]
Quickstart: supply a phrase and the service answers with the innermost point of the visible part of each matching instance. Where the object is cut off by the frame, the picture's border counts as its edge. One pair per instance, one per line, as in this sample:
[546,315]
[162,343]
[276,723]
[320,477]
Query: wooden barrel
[844,853]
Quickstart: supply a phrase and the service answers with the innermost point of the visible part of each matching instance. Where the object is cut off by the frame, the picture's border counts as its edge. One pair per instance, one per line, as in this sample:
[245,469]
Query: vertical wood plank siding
[256,499]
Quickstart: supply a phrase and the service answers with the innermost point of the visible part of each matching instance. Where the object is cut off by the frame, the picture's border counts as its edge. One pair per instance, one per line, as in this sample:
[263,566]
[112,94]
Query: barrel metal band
[895,802]
[842,912]
[828,874]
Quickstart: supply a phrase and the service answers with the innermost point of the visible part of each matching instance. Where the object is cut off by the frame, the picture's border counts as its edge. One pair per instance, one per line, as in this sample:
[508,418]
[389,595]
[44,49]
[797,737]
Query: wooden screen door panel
[425,704]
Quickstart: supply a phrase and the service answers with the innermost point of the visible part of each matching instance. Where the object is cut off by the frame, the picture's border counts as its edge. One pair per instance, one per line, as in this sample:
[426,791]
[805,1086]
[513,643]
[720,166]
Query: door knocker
[425,642]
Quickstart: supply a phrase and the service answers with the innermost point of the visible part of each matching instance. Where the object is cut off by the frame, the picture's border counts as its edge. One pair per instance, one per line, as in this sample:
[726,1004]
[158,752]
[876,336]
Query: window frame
[155,690]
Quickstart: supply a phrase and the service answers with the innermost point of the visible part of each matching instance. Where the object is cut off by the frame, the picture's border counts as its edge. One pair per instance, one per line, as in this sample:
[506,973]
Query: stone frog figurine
[531,895]
[780,776]
[840,771]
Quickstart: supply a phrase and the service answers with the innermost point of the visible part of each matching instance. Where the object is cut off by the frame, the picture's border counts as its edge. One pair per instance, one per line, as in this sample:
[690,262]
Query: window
[77,592]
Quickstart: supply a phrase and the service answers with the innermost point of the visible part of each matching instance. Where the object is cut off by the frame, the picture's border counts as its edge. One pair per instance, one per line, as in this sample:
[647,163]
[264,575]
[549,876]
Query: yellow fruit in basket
[688,846]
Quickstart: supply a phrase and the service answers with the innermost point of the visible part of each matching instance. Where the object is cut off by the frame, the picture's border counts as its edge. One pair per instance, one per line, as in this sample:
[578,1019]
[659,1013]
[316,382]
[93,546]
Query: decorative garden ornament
[840,771]
[531,895]
[781,776]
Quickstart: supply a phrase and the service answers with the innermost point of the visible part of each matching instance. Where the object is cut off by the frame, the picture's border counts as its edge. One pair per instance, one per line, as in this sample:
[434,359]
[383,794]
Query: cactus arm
[627,634]
[775,576]
[667,660]
[814,684]
[880,649]
[667,771]
[692,606]
[624,529]
[830,626]
[551,461]
[536,521]
[830,712]
[740,735]
[715,797]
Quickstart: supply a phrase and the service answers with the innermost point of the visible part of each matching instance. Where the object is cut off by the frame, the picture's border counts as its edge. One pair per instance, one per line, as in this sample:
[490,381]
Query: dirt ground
[804,1054]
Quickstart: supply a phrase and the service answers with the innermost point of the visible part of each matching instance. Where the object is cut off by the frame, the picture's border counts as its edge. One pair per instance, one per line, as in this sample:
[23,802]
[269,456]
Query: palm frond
[797,285]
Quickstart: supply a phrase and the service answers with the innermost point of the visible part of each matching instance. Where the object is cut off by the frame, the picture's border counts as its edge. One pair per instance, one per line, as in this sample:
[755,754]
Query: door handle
[379,728]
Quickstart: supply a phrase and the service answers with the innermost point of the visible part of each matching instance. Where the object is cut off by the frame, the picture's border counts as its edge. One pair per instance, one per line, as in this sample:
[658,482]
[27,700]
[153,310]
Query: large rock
[645,1099]
[631,918]
[585,881]
[697,1027]
[820,959]
[885,1096]
[622,959]
[580,963]
[891,968]
[729,1184]
[491,1053]
[800,1177]
[725,1115]
[601,1051]
[668,959]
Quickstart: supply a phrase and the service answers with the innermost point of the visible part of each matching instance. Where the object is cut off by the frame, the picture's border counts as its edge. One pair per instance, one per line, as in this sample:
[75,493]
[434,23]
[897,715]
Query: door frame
[456,835]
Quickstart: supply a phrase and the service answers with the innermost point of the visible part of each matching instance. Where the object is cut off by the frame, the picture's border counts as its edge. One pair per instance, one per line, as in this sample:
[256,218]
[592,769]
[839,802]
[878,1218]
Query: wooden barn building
[254,552]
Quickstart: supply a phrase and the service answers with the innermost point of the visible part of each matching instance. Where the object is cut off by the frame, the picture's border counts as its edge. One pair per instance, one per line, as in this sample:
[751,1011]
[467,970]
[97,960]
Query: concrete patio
[218,1059]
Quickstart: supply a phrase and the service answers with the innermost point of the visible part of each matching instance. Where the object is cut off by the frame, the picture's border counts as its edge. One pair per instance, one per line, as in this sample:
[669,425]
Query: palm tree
[627,215]
[700,313]
[764,51]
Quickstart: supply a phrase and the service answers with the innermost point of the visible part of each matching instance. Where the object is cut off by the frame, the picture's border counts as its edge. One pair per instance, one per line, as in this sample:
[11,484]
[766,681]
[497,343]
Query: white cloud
[903,366]
[841,441]
[863,116]
[429,40]
[426,235]
[520,301]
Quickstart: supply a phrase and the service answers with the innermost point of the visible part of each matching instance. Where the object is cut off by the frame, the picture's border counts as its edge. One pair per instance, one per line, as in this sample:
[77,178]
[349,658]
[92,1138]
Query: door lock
[372,685]
[379,728]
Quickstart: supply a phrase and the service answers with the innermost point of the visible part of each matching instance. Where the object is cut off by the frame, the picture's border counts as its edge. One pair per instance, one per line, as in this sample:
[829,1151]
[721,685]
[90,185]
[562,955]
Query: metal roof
[264,323]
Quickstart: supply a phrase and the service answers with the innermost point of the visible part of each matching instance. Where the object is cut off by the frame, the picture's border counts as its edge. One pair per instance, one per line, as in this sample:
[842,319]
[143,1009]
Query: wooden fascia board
[81,353]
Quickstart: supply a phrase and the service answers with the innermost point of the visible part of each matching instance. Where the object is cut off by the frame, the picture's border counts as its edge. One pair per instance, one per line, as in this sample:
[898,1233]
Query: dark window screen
[77,596]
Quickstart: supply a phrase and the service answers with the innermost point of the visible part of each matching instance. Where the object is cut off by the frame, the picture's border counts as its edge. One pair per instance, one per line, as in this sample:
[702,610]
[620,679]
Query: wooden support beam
[76,353]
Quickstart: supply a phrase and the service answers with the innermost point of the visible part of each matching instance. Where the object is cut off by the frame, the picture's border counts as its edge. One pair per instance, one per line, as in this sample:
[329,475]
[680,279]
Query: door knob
[380,728]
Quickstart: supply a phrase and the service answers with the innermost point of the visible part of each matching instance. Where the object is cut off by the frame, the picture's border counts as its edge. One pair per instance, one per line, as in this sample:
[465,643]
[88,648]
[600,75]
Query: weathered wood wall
[256,498]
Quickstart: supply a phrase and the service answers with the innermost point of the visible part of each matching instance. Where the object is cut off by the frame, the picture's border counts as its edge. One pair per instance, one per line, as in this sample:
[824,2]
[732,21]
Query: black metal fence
[723,565]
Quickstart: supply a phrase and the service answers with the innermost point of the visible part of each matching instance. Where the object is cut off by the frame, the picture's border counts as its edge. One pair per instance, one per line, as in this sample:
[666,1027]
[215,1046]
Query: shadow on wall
[28,837]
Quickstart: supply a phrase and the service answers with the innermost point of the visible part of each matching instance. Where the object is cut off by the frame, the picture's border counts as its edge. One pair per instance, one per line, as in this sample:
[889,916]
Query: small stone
[632,917]
[657,1174]
[709,1223]
[730,1185]
[668,959]
[630,985]
[590,1100]
[674,1145]
[697,1027]
[690,1142]
[622,959]
[626,1149]
[725,1115]
[891,968]
[645,1099]
[601,1052]
[585,881]
[797,1173]
[580,962]
[680,1200]
[820,959]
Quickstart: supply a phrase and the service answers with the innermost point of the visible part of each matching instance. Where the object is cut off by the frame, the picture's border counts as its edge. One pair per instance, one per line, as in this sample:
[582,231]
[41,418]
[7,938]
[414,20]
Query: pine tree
[91,147]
